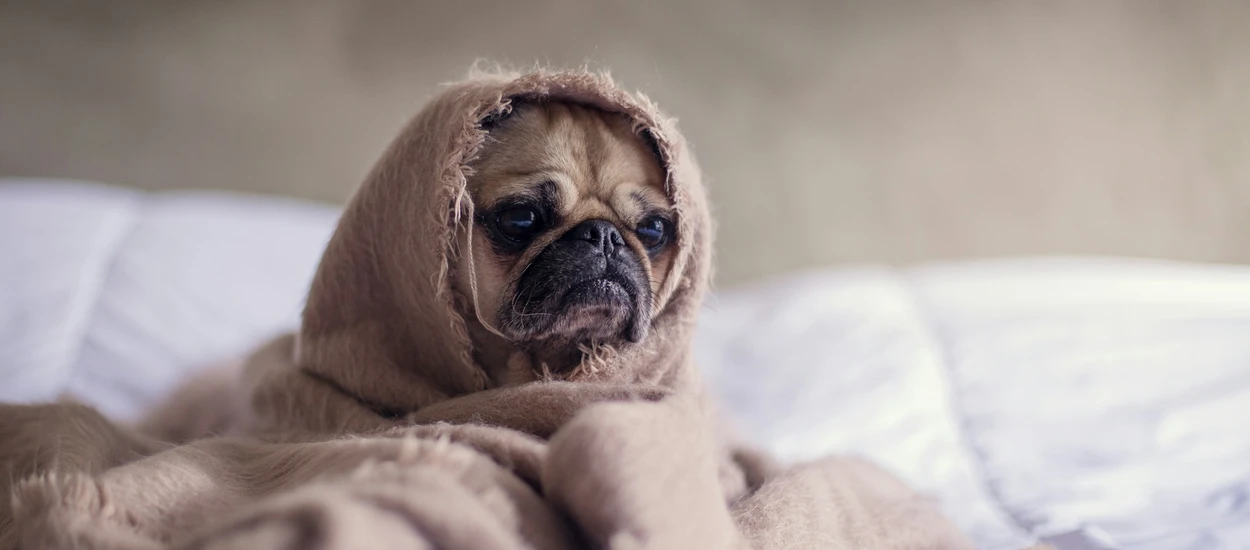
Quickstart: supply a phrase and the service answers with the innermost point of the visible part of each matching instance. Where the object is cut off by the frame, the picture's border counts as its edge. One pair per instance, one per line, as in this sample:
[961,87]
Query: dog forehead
[603,164]
[594,158]
[627,201]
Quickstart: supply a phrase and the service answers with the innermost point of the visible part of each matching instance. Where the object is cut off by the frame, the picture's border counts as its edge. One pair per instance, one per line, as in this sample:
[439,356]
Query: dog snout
[601,234]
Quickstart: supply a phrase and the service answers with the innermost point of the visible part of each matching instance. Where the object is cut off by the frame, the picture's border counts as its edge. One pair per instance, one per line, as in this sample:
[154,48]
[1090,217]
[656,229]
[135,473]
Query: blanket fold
[376,426]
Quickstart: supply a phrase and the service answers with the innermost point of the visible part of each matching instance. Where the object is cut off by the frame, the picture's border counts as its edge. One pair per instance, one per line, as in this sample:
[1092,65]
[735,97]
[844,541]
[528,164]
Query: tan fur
[378,426]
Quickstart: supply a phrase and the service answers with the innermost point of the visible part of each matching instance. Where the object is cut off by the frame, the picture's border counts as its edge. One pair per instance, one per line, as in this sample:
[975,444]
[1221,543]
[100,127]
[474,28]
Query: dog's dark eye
[518,223]
[653,232]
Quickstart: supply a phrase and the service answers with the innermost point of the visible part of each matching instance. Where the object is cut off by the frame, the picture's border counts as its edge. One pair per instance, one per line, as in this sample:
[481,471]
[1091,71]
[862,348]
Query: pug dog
[572,235]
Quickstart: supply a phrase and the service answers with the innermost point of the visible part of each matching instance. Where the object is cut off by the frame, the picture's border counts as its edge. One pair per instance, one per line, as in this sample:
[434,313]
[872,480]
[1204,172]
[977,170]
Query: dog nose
[600,233]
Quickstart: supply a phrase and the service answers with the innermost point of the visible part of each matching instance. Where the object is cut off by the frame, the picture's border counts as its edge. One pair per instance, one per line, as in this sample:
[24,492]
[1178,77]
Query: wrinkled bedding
[1071,399]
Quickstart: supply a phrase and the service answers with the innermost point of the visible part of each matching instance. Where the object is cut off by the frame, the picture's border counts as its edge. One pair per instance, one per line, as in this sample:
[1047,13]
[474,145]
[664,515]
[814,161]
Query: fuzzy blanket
[374,427]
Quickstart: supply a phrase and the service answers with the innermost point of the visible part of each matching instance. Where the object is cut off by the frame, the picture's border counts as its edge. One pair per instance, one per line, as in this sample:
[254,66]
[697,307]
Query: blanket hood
[383,321]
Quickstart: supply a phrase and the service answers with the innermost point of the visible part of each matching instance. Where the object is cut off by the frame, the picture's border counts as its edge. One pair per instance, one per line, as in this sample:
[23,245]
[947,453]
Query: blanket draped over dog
[375,428]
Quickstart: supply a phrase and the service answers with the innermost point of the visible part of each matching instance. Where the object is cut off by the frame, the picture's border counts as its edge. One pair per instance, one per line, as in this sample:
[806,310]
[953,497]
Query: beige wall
[831,131]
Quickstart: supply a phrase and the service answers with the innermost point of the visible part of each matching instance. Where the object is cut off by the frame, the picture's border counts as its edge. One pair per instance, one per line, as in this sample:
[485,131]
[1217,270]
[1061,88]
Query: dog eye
[653,232]
[518,223]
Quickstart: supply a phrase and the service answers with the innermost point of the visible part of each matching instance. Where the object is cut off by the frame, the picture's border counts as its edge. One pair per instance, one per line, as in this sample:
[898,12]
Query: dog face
[573,232]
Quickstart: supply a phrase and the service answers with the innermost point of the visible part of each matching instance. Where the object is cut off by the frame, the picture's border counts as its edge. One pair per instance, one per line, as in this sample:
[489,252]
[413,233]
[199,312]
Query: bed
[1091,402]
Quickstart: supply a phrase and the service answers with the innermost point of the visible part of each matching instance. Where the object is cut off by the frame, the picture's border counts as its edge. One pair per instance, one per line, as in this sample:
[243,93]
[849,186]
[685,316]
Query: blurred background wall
[831,131]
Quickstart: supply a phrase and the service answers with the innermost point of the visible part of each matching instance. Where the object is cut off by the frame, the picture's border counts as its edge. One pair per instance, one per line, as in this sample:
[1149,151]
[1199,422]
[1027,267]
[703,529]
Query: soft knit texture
[374,427]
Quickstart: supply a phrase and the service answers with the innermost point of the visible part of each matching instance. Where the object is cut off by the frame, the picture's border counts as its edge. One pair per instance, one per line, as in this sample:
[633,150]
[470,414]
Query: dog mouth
[603,307]
[597,292]
[596,308]
[578,291]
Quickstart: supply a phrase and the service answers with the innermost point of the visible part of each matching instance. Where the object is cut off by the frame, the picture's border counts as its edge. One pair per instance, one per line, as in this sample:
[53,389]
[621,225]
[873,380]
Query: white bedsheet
[1034,397]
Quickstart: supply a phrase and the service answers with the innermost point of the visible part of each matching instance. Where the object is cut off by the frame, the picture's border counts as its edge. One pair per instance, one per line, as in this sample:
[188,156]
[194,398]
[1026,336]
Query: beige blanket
[374,427]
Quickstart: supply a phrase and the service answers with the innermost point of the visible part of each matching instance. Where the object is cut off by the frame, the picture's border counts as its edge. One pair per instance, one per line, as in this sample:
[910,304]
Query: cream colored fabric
[374,427]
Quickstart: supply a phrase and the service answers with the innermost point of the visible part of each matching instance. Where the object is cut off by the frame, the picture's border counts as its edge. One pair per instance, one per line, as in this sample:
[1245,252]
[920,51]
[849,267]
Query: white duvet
[1095,403]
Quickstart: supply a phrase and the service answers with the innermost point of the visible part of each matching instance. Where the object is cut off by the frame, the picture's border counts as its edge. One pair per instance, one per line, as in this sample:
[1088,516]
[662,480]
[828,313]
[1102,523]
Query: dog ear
[493,118]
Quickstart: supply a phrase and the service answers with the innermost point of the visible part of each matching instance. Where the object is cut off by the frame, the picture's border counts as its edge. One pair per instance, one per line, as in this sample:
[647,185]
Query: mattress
[1090,402]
